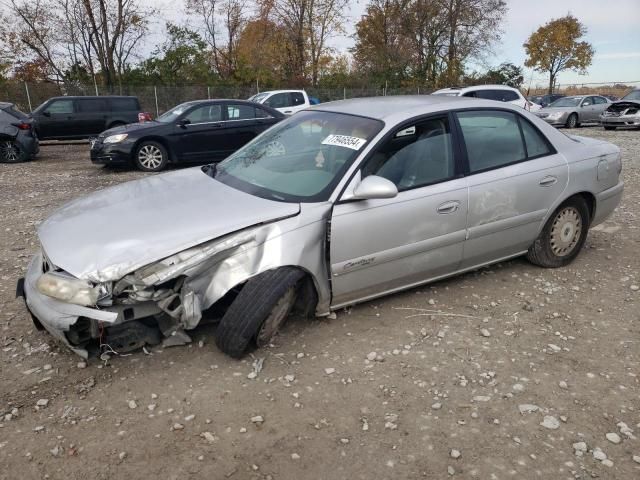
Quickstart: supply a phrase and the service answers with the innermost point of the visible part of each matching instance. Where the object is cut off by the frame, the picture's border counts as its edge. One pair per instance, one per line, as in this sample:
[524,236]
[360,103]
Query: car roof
[92,97]
[397,108]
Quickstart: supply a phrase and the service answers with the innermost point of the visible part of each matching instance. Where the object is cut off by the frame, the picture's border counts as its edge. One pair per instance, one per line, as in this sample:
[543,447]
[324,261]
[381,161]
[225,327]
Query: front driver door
[57,119]
[378,246]
[199,133]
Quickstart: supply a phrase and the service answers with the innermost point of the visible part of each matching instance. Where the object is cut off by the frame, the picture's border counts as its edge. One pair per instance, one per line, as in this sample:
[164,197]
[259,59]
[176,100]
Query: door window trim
[519,118]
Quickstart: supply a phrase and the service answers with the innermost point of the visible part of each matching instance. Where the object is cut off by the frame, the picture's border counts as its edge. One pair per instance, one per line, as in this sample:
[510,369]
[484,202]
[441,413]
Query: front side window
[415,156]
[173,114]
[300,159]
[492,139]
[566,102]
[587,101]
[205,114]
[124,104]
[279,100]
[240,112]
[60,107]
[509,96]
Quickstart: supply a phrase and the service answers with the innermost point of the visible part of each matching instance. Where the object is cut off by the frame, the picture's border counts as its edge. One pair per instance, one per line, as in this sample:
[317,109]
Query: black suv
[83,117]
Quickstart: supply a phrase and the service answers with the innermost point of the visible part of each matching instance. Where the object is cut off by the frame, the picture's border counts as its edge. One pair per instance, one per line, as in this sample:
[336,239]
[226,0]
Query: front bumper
[555,121]
[111,153]
[621,121]
[59,317]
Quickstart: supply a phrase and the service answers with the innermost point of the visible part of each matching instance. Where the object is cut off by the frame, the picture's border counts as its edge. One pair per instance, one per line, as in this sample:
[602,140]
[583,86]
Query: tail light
[144,117]
[22,126]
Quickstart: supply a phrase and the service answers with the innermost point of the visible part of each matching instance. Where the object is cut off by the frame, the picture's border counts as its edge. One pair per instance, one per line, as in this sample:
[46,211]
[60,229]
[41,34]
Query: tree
[505,74]
[556,46]
[80,33]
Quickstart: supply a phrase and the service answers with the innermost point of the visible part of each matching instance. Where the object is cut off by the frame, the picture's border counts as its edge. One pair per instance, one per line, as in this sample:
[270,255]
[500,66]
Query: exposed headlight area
[556,115]
[121,137]
[72,290]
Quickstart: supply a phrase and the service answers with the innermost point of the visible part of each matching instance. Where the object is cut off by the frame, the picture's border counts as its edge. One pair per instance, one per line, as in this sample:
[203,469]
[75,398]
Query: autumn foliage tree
[557,46]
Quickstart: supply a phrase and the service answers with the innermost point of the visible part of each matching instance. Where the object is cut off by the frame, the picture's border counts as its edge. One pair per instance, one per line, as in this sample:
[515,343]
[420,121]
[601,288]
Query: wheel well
[591,202]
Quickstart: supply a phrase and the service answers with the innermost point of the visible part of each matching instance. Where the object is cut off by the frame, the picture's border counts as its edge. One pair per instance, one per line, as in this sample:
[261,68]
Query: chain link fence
[159,99]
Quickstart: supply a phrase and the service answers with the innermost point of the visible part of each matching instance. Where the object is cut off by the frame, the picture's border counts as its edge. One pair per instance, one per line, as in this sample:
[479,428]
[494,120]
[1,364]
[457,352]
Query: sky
[613,28]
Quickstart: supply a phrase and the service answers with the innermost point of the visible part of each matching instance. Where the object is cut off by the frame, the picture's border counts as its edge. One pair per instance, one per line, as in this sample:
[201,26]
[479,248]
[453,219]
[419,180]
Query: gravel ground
[511,371]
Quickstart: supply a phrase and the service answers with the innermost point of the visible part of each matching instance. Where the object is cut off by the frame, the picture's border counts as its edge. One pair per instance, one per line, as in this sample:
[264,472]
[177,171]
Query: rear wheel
[259,310]
[563,235]
[151,156]
[609,127]
[10,152]
[572,121]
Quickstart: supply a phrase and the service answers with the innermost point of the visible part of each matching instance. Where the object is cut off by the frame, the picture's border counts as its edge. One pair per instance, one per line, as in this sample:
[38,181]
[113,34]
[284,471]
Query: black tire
[151,156]
[609,127]
[11,152]
[572,121]
[265,300]
[551,250]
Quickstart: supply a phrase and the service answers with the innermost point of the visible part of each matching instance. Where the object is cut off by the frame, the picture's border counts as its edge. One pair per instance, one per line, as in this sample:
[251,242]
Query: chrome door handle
[548,181]
[448,207]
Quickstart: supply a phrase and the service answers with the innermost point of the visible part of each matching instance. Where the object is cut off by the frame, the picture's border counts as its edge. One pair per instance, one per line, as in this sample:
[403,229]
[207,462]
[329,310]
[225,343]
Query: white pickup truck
[285,101]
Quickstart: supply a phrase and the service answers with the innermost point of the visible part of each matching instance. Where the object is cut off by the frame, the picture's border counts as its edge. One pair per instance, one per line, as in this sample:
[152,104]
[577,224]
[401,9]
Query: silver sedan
[573,111]
[339,204]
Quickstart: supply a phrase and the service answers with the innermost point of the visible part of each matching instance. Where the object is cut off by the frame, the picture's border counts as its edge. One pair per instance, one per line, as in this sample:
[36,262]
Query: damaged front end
[152,305]
[622,114]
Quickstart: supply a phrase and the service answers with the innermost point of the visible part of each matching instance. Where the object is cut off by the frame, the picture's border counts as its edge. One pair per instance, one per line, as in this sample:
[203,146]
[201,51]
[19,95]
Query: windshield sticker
[354,143]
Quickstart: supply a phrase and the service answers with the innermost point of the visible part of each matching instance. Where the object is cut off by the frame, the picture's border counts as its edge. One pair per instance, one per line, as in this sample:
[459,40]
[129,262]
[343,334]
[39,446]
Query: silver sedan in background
[573,111]
[338,204]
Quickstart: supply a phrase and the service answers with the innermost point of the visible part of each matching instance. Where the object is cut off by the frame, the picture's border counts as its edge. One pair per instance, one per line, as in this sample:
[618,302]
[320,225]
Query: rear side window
[509,96]
[240,112]
[91,105]
[492,139]
[124,104]
[60,107]
[297,98]
[537,145]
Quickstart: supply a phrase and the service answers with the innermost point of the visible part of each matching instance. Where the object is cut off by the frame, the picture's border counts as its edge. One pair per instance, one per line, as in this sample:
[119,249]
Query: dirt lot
[496,374]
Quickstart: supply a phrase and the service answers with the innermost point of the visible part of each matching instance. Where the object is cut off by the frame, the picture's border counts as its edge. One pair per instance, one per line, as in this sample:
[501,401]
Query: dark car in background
[69,118]
[544,100]
[201,131]
[18,142]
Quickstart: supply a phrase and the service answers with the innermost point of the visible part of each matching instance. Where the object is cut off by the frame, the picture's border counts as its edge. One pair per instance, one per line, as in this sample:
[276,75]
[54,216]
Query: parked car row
[121,133]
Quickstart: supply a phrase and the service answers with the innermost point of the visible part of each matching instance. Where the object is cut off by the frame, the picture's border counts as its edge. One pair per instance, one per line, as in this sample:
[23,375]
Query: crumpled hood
[112,232]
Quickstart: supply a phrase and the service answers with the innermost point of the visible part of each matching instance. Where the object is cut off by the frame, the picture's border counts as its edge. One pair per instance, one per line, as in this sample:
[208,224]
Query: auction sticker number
[354,143]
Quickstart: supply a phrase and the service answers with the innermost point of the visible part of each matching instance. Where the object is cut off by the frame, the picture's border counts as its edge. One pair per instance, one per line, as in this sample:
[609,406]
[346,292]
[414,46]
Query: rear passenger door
[240,125]
[514,177]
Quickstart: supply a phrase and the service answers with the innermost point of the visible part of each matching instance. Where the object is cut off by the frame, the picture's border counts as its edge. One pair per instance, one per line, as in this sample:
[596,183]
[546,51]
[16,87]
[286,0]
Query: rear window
[15,113]
[297,98]
[124,104]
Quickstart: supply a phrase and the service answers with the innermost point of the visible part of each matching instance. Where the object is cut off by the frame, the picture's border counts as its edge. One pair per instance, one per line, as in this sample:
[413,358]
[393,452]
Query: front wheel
[259,310]
[563,235]
[151,156]
[572,121]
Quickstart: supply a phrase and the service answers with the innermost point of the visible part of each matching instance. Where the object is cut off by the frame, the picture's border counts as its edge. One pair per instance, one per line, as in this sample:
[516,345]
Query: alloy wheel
[9,152]
[565,231]
[150,157]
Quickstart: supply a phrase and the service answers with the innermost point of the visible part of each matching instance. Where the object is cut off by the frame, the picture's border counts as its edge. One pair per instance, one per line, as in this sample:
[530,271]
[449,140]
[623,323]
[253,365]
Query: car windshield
[634,95]
[258,98]
[173,114]
[566,102]
[300,159]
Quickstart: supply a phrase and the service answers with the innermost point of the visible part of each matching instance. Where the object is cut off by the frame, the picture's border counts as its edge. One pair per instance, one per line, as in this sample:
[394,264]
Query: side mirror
[184,122]
[46,113]
[373,187]
[586,104]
